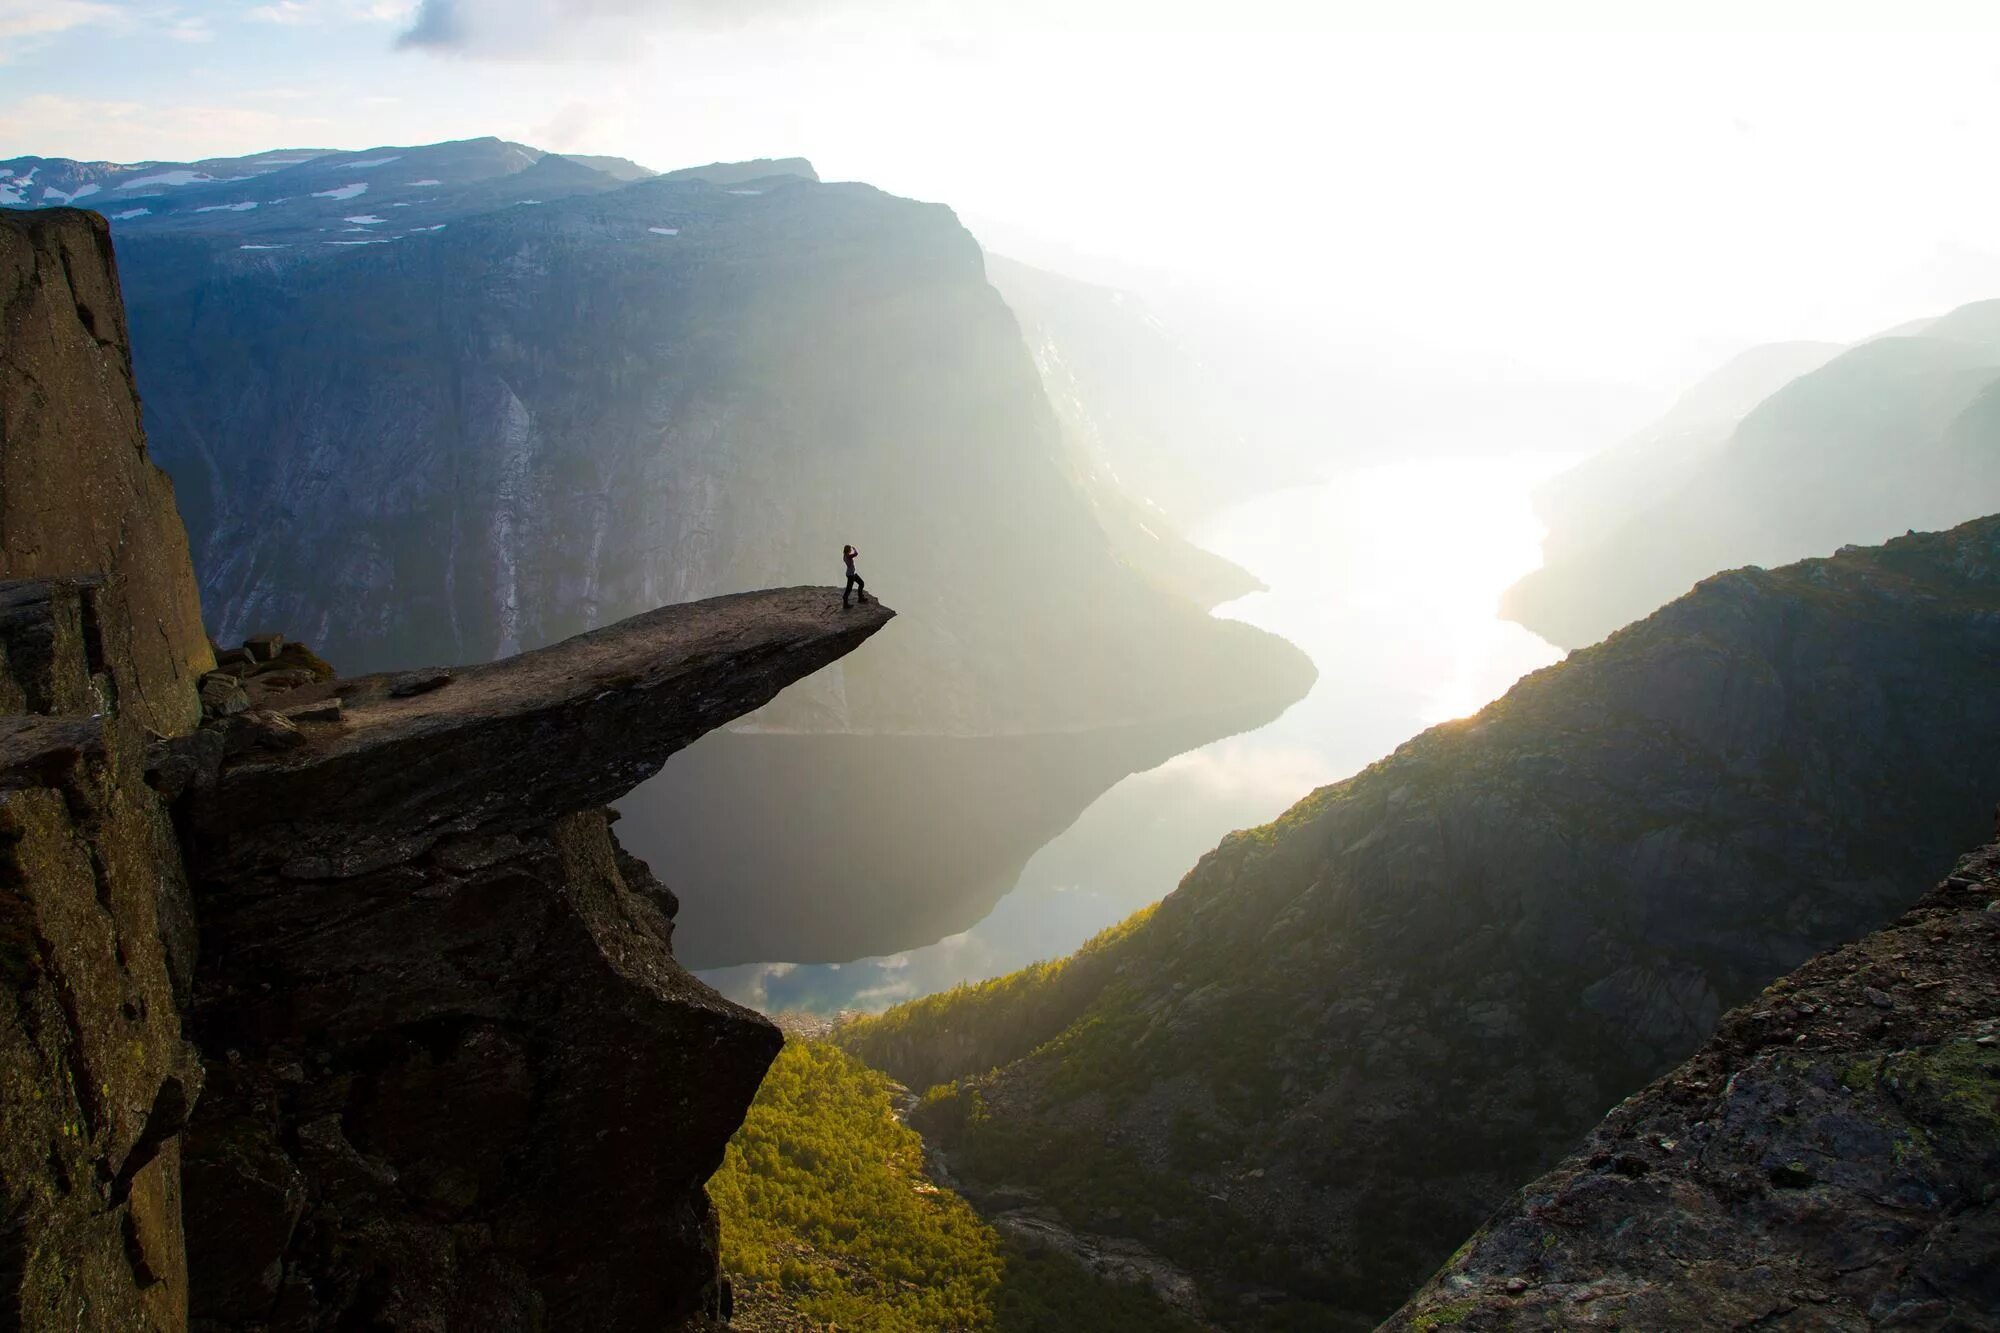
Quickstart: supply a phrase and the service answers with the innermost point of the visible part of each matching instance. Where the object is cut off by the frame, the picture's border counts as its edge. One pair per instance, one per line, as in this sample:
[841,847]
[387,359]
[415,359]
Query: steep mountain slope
[1593,500]
[1826,1161]
[1318,1064]
[1886,437]
[545,416]
[1149,439]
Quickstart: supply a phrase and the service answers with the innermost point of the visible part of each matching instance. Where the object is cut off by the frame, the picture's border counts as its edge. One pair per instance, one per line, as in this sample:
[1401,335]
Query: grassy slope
[829,1221]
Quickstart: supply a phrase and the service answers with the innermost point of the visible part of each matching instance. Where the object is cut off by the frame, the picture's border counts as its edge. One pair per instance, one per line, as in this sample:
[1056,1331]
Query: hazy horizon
[1532,205]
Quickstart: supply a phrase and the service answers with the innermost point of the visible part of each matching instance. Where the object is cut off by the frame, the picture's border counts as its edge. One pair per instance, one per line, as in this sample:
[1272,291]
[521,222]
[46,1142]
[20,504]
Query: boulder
[222,695]
[263,647]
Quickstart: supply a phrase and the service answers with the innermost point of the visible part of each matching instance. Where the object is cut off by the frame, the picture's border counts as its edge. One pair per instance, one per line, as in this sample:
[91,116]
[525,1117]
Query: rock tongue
[565,728]
[505,1093]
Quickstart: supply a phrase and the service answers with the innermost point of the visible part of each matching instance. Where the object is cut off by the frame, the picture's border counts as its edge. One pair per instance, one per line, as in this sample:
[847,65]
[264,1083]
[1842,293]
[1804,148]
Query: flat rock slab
[549,732]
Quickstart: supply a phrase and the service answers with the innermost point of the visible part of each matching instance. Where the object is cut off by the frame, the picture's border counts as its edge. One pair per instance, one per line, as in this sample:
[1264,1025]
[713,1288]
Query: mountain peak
[739,173]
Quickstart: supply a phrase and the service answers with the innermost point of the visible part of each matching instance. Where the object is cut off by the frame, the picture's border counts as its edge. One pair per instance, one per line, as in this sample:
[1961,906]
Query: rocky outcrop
[458,1078]
[77,493]
[1828,1160]
[95,948]
[445,1071]
[100,644]
[1349,1035]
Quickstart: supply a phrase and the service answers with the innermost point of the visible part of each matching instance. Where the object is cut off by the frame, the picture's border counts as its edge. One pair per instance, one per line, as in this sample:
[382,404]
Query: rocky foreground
[1830,1159]
[332,1003]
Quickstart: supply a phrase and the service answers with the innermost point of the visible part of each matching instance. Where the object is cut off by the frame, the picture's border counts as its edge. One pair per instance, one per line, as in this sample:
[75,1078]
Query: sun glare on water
[1407,564]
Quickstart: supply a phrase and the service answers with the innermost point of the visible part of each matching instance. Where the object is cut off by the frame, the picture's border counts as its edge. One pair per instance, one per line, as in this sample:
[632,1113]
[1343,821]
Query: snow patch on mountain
[182,176]
[373,162]
[664,231]
[427,181]
[131,213]
[343,191]
[243,207]
[69,197]
[14,194]
[365,219]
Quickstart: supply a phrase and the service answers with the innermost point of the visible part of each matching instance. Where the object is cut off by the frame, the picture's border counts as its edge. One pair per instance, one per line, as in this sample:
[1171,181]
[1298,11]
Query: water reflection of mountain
[1389,578]
[832,847]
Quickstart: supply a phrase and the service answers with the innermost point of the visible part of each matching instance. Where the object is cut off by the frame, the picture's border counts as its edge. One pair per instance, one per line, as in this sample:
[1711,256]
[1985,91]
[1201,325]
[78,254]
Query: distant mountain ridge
[744,173]
[289,199]
[1319,1063]
[1789,449]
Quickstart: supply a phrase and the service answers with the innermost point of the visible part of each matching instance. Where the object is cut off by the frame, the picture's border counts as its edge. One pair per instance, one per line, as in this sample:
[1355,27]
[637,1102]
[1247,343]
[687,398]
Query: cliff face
[445,1071]
[96,947]
[77,493]
[1898,433]
[454,444]
[1346,1036]
[1827,1160]
[96,943]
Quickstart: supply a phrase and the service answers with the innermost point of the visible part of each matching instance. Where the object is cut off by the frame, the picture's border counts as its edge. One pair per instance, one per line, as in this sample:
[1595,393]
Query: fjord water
[1390,577]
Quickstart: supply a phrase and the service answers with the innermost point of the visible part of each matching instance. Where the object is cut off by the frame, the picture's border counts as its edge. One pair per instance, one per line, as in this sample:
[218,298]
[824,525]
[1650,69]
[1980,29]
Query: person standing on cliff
[855,583]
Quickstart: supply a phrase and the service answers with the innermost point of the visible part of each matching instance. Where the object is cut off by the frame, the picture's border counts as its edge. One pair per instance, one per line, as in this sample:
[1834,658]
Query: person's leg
[861,588]
[847,593]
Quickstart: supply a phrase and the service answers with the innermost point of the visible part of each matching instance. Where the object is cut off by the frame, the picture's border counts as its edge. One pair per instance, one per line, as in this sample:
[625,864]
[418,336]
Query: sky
[1627,192]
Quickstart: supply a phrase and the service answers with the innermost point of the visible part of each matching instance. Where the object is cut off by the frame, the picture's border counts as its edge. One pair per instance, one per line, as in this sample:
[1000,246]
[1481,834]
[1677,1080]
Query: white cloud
[300,12]
[26,25]
[128,131]
[285,11]
[590,29]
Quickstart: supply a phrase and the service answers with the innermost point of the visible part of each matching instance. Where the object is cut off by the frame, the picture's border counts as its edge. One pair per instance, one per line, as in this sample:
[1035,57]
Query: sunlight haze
[1622,206]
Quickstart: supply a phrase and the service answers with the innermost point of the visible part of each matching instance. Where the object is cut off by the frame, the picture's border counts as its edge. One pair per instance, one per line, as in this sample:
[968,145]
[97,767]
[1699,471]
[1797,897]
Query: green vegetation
[828,1217]
[1445,1316]
[991,1022]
